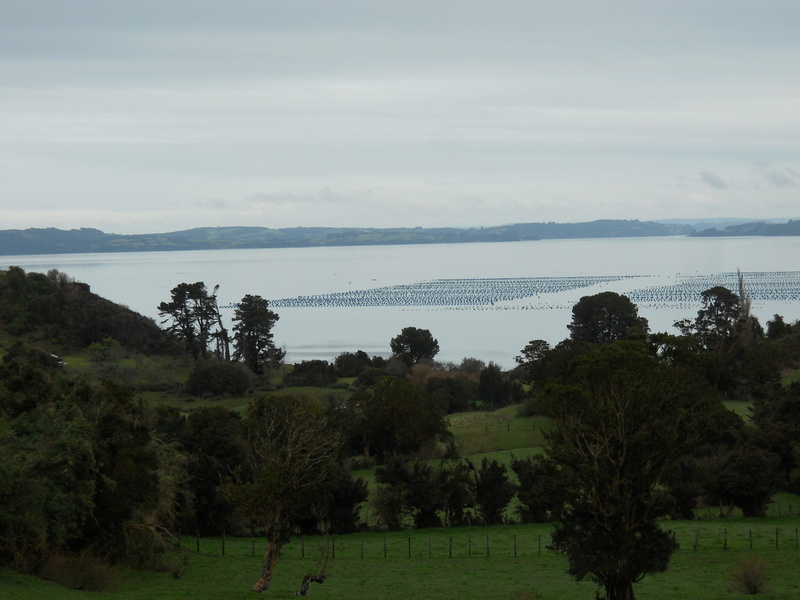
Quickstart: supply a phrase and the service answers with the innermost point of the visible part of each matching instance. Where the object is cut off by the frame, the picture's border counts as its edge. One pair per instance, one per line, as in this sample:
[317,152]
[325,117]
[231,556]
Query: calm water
[493,332]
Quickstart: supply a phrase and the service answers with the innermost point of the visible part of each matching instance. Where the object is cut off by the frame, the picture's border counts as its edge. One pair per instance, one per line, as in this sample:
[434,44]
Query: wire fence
[459,545]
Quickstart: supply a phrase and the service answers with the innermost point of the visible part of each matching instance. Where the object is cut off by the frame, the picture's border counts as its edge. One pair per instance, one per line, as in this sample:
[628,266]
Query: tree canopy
[412,345]
[623,418]
[605,317]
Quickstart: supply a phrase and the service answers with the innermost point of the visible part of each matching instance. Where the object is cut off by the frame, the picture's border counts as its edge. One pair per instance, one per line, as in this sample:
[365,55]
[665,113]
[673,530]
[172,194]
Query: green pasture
[472,563]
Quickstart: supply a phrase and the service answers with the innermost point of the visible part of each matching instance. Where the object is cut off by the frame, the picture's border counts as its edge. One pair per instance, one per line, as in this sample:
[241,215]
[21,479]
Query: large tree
[724,332]
[290,450]
[413,344]
[605,317]
[194,317]
[394,417]
[252,341]
[623,418]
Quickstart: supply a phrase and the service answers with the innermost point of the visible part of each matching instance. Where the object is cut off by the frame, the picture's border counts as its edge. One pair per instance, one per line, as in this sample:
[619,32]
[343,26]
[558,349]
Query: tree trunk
[308,580]
[619,590]
[270,558]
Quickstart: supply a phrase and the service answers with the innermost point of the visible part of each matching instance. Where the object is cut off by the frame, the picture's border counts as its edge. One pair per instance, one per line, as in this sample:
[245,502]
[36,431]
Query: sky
[144,116]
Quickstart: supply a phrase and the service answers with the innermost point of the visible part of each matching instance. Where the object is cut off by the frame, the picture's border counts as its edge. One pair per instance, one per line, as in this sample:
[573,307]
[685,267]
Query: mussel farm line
[492,293]
[449,292]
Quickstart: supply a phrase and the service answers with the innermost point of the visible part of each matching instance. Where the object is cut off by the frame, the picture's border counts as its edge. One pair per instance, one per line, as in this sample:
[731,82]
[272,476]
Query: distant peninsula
[85,240]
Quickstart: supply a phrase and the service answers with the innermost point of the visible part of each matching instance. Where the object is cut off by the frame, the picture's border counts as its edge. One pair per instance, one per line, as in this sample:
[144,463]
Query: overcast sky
[160,115]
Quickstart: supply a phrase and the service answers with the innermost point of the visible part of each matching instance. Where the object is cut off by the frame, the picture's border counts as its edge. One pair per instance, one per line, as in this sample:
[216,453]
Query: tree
[534,501]
[715,324]
[493,491]
[395,416]
[747,478]
[216,378]
[290,450]
[315,373]
[725,331]
[412,345]
[531,358]
[495,390]
[409,489]
[212,439]
[349,364]
[605,317]
[252,341]
[623,418]
[193,313]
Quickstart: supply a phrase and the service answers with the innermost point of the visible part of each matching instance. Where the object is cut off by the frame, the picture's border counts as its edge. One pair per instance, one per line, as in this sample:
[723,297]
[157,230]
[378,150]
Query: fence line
[458,545]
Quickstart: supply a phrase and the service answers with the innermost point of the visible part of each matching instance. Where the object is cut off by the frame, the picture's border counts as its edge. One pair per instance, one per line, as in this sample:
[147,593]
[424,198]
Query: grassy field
[456,564]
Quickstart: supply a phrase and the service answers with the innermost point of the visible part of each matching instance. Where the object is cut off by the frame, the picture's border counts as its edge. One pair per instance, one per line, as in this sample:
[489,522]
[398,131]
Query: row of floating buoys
[761,286]
[494,293]
[449,292]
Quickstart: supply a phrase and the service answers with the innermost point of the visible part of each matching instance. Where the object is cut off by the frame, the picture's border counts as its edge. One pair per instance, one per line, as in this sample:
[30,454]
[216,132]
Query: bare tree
[290,450]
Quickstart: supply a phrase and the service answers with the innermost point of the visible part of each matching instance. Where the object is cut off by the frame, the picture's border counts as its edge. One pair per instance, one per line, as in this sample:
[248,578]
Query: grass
[431,572]
[479,433]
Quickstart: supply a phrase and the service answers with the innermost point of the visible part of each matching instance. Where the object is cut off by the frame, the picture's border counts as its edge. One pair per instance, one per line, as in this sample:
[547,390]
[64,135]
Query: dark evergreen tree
[253,340]
[605,317]
[413,345]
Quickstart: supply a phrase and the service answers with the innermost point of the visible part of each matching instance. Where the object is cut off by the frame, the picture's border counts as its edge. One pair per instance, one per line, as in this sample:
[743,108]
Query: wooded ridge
[57,241]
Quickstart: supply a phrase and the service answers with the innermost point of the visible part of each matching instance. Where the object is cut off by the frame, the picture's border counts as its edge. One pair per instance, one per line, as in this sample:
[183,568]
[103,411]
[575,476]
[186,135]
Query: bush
[314,373]
[217,378]
[750,575]
[82,572]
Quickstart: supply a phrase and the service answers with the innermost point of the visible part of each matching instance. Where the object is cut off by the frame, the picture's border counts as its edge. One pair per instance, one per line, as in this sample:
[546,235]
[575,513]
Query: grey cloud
[715,181]
[787,178]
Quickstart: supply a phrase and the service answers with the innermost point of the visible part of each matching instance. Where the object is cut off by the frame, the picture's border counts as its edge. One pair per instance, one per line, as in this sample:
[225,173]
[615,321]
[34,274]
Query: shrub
[314,373]
[82,572]
[217,378]
[750,575]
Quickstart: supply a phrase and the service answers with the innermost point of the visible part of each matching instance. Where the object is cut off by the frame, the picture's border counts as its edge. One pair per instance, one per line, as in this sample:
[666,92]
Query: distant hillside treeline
[58,241]
[760,228]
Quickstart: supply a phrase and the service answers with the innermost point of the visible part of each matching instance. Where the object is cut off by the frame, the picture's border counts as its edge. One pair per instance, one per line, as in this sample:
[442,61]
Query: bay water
[655,272]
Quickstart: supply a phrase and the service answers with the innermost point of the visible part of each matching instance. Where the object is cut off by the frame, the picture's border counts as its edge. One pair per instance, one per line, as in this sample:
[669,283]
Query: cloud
[715,181]
[356,112]
[786,178]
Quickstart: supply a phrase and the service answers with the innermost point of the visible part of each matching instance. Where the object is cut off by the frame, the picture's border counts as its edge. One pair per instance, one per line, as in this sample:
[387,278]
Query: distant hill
[59,241]
[715,223]
[790,228]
